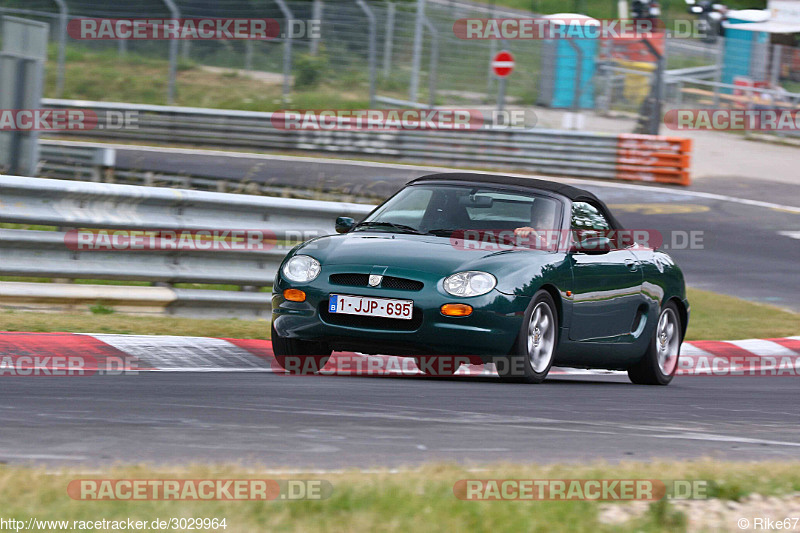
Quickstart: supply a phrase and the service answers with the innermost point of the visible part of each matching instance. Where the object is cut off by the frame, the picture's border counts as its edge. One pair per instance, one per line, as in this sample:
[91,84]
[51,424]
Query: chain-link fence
[443,69]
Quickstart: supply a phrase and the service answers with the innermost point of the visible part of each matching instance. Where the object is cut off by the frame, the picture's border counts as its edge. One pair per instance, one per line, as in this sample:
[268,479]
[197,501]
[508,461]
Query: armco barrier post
[434,64]
[173,53]
[62,45]
[287,48]
[416,60]
[371,51]
[316,14]
[389,40]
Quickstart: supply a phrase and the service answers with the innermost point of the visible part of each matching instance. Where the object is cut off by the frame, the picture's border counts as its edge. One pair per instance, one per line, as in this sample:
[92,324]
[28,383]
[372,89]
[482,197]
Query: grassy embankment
[419,499]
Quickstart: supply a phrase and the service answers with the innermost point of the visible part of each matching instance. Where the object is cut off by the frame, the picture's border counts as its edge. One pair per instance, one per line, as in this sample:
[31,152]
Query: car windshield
[447,209]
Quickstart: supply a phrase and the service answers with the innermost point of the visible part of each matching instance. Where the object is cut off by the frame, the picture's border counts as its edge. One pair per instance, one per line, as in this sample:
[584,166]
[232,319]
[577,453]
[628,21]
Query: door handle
[631,264]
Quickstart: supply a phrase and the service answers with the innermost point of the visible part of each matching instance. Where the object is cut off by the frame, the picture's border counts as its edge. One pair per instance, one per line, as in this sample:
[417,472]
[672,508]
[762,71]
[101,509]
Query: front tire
[298,356]
[535,348]
[660,361]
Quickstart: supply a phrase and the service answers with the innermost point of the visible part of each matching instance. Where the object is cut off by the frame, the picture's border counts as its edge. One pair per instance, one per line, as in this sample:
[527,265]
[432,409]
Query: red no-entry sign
[503,64]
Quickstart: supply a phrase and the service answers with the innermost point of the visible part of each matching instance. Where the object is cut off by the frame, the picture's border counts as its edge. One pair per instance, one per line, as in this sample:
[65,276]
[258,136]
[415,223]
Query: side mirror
[344,224]
[593,246]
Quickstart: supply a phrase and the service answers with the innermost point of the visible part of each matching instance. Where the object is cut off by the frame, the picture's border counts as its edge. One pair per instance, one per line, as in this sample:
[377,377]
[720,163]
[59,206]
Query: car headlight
[301,268]
[470,283]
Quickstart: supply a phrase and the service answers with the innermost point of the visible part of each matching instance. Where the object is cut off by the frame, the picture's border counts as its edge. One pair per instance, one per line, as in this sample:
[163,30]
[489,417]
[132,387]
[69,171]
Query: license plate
[368,306]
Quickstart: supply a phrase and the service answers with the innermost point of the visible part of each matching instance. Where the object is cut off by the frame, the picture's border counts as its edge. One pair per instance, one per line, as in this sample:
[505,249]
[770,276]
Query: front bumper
[491,329]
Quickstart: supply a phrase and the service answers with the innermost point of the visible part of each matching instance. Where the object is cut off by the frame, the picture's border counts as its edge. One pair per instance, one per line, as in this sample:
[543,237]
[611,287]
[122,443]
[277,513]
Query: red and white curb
[32,351]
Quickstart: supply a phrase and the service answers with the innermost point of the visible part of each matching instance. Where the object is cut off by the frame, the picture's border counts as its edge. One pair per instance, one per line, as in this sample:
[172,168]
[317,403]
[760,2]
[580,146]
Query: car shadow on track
[467,379]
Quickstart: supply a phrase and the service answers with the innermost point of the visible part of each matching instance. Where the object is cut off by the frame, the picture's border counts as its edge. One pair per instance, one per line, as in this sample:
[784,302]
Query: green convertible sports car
[519,272]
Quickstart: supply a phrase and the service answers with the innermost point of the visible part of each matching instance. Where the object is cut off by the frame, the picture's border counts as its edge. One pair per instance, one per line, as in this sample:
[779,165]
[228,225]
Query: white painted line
[214,369]
[177,353]
[43,457]
[763,347]
[472,450]
[375,164]
[725,438]
[687,348]
[792,234]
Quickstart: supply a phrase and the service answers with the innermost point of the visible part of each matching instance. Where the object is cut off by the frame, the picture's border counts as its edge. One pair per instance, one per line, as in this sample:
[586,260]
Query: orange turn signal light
[456,310]
[294,295]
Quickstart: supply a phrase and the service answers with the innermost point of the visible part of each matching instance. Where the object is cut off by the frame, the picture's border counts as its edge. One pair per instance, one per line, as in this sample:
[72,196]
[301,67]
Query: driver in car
[543,218]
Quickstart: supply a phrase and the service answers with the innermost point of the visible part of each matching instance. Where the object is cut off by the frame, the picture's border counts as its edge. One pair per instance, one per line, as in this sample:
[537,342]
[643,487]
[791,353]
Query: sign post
[21,76]
[502,66]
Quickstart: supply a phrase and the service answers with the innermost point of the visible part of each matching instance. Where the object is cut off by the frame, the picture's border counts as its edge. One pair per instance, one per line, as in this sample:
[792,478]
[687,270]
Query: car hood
[426,253]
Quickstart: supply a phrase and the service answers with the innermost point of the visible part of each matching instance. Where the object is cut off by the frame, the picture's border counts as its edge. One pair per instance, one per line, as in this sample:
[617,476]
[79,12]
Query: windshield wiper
[442,232]
[399,227]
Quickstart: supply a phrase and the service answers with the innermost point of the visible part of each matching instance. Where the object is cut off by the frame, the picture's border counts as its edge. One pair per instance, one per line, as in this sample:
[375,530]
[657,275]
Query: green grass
[720,317]
[714,317]
[104,75]
[101,321]
[421,499]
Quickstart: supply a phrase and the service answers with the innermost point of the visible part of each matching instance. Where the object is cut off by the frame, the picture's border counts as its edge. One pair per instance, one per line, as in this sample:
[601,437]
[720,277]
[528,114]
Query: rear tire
[535,348]
[658,365]
[298,356]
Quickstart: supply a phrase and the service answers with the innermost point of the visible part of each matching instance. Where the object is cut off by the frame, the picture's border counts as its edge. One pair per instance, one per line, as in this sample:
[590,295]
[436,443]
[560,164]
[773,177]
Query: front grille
[354,280]
[371,322]
[389,282]
[401,284]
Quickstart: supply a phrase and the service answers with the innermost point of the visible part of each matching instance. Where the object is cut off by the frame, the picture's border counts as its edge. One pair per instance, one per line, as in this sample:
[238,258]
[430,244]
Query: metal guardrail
[564,153]
[74,162]
[701,72]
[75,204]
[86,161]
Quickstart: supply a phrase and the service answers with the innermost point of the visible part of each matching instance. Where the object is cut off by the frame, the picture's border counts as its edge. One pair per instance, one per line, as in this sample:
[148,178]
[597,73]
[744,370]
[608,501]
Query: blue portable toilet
[560,69]
[746,47]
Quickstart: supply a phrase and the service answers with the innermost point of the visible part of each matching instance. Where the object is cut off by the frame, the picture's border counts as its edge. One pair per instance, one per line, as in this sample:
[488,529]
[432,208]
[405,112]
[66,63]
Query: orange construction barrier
[654,158]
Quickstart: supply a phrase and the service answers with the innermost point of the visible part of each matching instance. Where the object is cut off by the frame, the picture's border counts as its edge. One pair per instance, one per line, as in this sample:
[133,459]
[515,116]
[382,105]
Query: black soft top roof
[573,193]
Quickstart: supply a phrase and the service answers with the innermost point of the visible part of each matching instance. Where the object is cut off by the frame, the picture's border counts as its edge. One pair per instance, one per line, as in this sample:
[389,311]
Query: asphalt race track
[323,422]
[308,422]
[746,250]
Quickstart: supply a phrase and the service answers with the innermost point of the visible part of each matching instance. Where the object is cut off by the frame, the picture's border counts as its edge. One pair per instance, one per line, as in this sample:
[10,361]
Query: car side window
[587,222]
